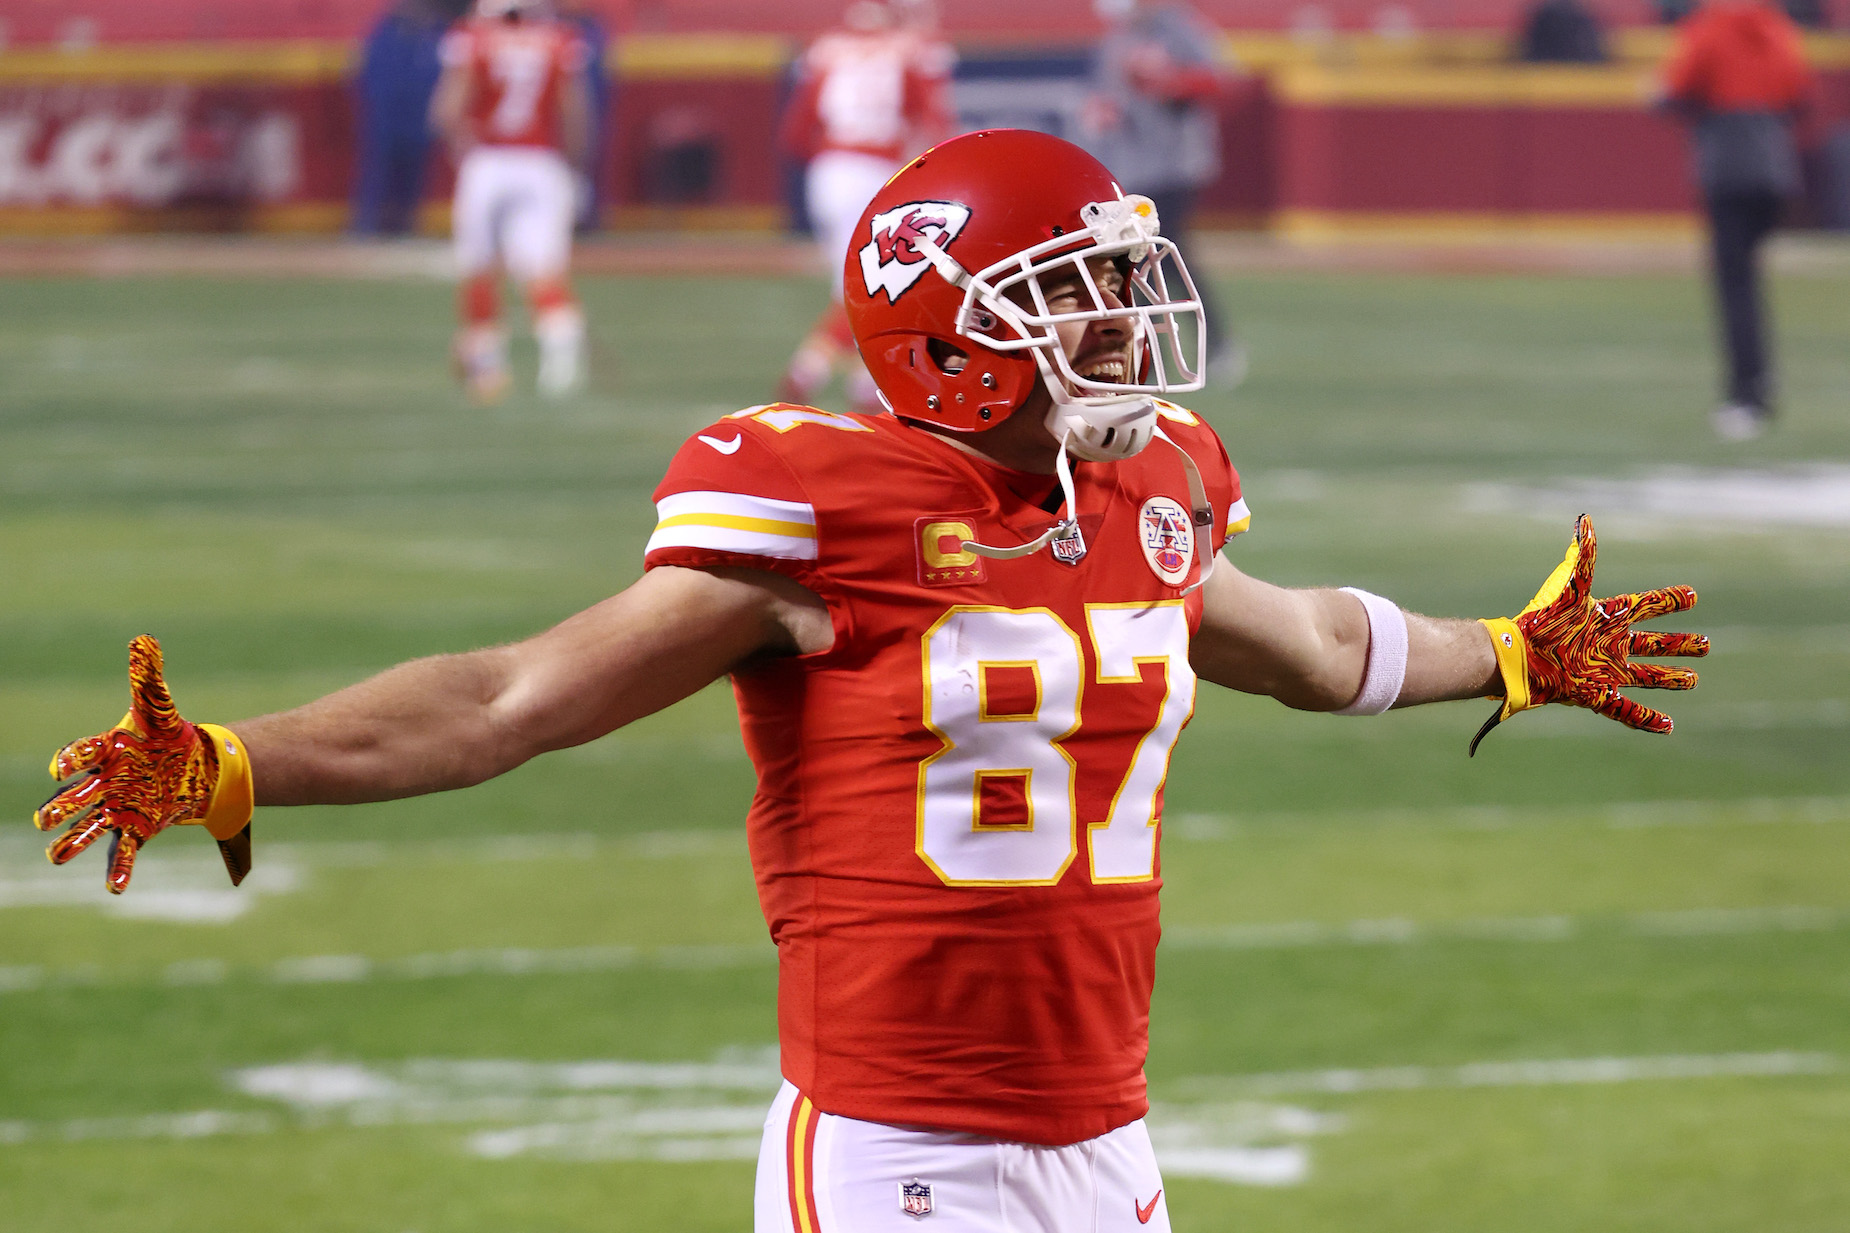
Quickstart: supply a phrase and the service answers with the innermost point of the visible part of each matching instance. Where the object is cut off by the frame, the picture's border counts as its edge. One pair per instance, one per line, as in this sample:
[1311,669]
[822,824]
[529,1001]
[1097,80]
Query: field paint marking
[187,889]
[1618,815]
[355,969]
[198,1124]
[615,1110]
[1267,935]
[1393,931]
[1705,501]
[1548,1072]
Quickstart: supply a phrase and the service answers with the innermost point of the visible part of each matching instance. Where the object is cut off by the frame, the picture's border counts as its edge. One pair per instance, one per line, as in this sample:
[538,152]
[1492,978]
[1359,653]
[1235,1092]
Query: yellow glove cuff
[1512,651]
[234,797]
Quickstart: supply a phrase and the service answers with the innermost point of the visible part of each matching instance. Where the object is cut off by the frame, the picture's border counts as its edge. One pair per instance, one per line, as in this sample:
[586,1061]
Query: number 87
[960,650]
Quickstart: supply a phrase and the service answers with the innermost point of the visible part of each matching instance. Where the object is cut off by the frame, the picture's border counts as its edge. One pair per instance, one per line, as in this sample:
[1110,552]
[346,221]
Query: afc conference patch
[915,1198]
[1167,536]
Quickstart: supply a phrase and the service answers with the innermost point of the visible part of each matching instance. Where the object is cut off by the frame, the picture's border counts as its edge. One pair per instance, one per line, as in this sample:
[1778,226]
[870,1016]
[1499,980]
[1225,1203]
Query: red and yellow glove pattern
[149,772]
[1568,647]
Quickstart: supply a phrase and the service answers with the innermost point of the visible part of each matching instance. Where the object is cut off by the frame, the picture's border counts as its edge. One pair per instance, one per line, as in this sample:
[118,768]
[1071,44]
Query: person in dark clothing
[1562,32]
[590,27]
[1738,75]
[1153,120]
[398,71]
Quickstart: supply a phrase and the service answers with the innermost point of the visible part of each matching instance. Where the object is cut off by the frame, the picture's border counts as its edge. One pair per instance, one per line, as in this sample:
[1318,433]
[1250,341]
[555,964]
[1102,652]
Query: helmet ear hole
[949,360]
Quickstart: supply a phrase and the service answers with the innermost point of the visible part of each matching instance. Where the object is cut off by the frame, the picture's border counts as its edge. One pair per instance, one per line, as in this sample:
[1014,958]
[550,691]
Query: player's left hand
[1568,647]
[151,771]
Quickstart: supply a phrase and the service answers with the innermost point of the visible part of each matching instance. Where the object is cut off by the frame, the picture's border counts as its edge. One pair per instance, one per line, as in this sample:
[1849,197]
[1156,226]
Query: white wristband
[1387,655]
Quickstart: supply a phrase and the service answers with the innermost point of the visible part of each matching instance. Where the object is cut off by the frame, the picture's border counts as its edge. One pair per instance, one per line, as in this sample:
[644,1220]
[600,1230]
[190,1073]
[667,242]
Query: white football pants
[818,1173]
[513,204]
[837,185]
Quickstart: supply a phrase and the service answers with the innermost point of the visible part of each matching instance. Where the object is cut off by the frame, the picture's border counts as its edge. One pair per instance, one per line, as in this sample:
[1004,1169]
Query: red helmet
[946,241]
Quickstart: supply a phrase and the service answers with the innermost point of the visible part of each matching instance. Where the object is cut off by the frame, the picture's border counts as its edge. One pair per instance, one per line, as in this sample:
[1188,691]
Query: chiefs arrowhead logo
[891,260]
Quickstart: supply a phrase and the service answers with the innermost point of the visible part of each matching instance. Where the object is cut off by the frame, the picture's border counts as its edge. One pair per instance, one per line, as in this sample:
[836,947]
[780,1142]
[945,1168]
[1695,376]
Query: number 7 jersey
[955,832]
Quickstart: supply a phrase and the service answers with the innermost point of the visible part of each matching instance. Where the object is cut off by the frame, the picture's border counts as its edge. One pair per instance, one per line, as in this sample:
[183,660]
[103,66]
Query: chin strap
[1201,511]
[1066,528]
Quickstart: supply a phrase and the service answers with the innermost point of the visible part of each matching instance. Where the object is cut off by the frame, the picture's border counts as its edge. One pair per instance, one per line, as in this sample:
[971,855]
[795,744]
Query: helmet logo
[1168,535]
[891,260]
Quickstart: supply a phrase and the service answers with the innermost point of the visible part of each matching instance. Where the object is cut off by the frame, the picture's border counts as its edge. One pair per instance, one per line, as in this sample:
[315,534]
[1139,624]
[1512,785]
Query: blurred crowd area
[36,22]
[1321,118]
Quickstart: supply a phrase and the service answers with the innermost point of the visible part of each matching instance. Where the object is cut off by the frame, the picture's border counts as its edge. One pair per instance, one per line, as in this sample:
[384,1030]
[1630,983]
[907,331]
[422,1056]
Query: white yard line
[360,969]
[1618,815]
[1400,931]
[1684,500]
[1536,1072]
[1263,935]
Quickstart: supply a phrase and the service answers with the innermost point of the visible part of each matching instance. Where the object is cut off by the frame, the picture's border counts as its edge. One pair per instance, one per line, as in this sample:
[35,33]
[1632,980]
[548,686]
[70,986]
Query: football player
[964,636]
[867,95]
[513,104]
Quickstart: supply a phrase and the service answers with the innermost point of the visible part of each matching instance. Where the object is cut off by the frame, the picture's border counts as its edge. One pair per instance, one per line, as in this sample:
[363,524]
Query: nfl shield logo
[1069,547]
[915,1197]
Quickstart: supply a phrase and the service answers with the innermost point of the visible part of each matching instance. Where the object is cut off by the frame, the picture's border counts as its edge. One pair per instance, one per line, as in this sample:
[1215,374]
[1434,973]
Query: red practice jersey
[517,71]
[1739,58]
[886,94]
[955,829]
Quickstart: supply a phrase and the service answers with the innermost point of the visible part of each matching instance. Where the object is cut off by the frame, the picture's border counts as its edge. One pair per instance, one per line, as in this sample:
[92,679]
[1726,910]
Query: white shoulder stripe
[737,504]
[734,522]
[1238,517]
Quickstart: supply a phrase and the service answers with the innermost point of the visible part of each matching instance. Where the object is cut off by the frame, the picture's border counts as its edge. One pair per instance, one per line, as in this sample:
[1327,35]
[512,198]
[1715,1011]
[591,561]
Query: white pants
[837,185]
[513,205]
[818,1173]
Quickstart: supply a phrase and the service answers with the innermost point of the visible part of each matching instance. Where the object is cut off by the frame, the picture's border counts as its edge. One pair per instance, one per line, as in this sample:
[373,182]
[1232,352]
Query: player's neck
[1022,442]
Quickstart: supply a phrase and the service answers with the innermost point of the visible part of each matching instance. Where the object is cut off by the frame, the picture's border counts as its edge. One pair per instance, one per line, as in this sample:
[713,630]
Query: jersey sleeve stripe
[734,522]
[1239,518]
[767,526]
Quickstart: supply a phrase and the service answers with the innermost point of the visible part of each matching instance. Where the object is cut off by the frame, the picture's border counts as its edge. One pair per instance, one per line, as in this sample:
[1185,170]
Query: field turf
[1588,980]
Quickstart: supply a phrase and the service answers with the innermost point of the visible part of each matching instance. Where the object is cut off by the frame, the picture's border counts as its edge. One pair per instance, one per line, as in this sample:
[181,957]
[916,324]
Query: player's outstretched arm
[424,726]
[1348,651]
[455,720]
[1310,648]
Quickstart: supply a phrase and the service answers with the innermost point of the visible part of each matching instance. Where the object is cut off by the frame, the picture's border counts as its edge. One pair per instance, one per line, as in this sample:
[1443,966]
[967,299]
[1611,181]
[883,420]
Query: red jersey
[1739,57]
[881,93]
[517,71]
[955,832]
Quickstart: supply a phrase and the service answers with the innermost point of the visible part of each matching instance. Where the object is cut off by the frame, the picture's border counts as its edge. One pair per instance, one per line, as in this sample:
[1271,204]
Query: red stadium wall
[1381,134]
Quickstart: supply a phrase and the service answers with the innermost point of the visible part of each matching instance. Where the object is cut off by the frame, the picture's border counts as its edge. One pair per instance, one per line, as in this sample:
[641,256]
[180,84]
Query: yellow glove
[151,771]
[1568,647]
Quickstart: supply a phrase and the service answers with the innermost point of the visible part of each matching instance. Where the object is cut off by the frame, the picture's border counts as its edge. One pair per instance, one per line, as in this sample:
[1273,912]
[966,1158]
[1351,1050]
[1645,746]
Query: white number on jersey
[520,70]
[981,745]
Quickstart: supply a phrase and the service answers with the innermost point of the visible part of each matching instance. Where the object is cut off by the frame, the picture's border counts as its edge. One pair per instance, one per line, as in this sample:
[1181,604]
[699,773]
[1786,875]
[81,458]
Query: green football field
[1588,980]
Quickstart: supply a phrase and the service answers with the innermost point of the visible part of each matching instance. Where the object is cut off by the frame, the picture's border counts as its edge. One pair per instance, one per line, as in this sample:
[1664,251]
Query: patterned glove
[1569,647]
[151,771]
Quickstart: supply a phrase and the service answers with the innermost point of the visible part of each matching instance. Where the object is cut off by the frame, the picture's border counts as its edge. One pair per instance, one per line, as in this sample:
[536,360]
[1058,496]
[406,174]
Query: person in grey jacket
[1153,120]
[1738,75]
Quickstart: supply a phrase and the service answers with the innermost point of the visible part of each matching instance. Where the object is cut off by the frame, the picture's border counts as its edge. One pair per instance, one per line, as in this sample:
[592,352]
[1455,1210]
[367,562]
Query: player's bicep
[666,637]
[1305,648]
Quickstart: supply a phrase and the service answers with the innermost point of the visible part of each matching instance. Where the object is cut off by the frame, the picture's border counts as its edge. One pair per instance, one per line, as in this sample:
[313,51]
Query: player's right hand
[149,772]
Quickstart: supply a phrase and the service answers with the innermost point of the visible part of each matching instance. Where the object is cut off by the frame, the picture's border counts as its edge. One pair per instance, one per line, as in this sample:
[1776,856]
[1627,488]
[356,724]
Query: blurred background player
[1738,75]
[514,105]
[868,96]
[1152,118]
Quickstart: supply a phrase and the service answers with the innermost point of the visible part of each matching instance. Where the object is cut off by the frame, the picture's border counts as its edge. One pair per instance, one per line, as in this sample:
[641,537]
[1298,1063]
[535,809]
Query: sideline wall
[1352,136]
